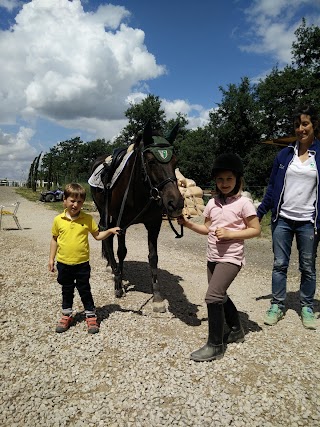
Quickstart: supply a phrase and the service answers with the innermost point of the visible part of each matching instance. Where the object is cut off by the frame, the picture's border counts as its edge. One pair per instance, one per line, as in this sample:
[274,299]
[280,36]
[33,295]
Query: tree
[138,115]
[233,124]
[306,50]
[282,91]
[195,156]
[35,172]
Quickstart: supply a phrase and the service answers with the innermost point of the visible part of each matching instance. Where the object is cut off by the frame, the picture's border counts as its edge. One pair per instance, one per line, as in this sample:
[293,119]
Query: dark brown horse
[143,191]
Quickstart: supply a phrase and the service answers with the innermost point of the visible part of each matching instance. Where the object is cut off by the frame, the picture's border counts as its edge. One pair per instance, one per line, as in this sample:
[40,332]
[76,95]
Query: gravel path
[136,371]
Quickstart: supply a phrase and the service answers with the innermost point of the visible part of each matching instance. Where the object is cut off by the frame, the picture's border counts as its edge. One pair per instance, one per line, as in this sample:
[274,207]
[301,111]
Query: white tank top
[300,190]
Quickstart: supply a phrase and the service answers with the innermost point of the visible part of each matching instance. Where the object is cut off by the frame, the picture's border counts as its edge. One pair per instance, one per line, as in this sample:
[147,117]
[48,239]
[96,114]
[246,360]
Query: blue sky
[71,68]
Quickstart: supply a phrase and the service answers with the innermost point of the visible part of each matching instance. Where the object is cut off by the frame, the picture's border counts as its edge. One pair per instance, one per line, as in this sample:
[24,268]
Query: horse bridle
[154,194]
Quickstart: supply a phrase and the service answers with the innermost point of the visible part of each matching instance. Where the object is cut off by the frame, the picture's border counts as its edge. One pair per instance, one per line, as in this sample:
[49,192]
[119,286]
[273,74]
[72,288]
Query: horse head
[159,163]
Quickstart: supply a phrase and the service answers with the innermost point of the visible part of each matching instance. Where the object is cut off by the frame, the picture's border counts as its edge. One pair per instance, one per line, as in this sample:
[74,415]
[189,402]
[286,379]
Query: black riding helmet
[229,162]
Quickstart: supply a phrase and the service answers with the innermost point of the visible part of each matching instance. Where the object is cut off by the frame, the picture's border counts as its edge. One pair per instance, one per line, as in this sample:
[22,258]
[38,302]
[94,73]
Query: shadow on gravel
[139,276]
[292,301]
[248,325]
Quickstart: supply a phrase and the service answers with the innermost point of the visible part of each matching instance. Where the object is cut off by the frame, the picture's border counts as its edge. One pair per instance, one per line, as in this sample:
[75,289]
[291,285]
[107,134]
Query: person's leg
[220,276]
[307,243]
[82,274]
[282,237]
[83,285]
[66,280]
[236,333]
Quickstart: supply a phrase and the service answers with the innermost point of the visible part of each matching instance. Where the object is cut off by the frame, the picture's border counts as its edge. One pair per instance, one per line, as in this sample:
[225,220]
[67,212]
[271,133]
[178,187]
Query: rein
[154,196]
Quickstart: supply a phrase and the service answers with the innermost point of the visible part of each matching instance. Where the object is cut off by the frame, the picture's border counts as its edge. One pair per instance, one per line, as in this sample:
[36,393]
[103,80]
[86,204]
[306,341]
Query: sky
[72,68]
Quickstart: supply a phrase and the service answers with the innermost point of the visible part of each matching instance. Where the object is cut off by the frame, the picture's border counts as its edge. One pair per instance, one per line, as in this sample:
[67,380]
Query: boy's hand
[51,266]
[115,230]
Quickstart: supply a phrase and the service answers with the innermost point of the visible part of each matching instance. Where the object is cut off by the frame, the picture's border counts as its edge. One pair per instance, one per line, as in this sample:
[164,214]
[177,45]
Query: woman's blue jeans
[283,232]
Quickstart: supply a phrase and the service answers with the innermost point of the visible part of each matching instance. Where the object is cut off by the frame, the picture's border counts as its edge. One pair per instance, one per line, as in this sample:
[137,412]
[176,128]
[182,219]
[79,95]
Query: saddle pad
[95,178]
[119,169]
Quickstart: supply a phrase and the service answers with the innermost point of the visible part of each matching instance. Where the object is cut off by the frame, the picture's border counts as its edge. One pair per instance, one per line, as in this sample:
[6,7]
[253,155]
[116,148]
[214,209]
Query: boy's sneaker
[308,318]
[273,315]
[64,323]
[92,324]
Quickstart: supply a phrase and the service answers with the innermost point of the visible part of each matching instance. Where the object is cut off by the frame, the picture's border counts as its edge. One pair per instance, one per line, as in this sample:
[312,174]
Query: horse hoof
[159,307]
[119,293]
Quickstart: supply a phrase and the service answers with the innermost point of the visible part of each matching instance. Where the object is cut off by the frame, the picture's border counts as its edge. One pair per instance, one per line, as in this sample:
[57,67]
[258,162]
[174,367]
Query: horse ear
[147,134]
[173,134]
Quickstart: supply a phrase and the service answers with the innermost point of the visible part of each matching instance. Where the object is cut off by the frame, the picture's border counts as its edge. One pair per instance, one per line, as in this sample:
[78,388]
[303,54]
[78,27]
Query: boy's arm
[253,230]
[101,235]
[53,251]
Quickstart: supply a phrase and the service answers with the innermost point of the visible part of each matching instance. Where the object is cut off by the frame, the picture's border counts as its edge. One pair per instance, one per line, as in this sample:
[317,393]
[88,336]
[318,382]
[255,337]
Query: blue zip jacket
[273,197]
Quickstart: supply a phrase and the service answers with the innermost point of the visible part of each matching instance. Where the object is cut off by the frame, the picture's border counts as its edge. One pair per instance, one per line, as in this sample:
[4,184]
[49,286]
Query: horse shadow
[292,302]
[178,304]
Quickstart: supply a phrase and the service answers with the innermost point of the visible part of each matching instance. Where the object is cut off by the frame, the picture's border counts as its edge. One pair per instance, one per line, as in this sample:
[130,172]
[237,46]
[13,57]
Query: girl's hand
[181,220]
[222,234]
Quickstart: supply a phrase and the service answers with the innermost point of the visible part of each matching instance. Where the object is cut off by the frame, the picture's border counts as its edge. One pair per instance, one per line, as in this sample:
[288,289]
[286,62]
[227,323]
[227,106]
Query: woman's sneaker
[64,324]
[273,315]
[308,318]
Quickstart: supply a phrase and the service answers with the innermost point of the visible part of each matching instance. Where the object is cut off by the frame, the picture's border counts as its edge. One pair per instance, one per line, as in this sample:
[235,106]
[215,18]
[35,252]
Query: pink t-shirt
[230,216]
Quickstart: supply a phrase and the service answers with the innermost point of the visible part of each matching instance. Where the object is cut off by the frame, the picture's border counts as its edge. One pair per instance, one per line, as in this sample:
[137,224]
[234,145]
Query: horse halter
[163,152]
[160,153]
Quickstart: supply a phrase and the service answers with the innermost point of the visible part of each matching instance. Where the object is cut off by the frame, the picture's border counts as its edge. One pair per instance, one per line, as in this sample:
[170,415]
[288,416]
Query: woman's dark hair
[308,110]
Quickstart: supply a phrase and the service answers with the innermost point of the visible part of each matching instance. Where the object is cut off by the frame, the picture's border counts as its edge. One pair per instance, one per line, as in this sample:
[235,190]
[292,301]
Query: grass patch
[33,196]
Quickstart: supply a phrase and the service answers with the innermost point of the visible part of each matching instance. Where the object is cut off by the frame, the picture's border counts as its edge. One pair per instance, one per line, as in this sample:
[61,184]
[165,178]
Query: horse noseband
[155,194]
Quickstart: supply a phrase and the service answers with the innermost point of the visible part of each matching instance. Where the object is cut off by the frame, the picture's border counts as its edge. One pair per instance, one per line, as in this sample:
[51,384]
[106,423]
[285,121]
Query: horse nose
[175,209]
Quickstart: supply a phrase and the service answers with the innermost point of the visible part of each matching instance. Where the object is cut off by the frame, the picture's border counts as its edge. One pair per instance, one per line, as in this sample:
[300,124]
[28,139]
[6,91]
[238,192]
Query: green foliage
[195,156]
[234,123]
[72,160]
[138,115]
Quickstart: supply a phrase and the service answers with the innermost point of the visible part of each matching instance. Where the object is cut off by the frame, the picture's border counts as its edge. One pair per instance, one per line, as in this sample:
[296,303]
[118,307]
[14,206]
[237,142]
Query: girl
[229,219]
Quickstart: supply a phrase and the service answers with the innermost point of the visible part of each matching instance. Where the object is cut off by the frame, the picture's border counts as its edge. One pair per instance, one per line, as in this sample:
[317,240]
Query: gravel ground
[136,371]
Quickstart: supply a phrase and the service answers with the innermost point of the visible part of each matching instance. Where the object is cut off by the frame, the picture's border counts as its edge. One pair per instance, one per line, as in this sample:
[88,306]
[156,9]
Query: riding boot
[214,348]
[236,333]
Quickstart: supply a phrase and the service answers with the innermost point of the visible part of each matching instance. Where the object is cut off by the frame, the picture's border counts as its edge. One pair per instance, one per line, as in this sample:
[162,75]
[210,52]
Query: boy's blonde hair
[75,190]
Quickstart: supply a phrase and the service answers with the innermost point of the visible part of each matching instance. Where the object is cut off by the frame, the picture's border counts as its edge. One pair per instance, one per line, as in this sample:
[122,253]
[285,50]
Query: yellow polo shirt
[72,237]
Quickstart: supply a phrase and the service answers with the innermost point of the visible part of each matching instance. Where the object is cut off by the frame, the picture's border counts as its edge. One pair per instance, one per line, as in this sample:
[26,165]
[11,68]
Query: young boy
[70,244]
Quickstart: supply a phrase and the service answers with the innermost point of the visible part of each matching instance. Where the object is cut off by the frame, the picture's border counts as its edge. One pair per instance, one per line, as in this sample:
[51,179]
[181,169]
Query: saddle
[107,172]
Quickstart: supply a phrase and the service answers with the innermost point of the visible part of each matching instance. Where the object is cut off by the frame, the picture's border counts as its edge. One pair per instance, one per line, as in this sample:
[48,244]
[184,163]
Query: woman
[293,195]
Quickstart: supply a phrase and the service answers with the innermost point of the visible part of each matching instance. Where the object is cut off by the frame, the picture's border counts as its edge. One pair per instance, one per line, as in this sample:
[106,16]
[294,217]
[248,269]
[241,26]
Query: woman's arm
[253,230]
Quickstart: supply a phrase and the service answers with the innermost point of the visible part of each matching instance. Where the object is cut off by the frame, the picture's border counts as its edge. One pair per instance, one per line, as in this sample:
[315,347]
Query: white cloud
[272,24]
[71,67]
[16,154]
[9,4]
[62,63]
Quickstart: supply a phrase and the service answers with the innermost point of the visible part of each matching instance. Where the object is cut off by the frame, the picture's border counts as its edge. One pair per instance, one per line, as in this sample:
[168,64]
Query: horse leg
[118,273]
[153,233]
[108,253]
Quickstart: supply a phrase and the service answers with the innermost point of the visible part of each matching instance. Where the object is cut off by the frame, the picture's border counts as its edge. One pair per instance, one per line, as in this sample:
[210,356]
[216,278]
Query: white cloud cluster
[272,24]
[71,67]
[9,4]
[62,63]
[16,154]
